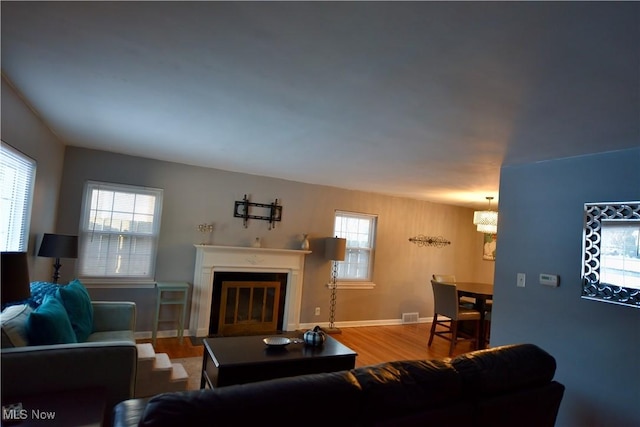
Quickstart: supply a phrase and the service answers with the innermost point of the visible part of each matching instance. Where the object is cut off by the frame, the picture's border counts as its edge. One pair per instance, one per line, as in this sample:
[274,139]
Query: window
[119,231]
[17,177]
[359,230]
[620,253]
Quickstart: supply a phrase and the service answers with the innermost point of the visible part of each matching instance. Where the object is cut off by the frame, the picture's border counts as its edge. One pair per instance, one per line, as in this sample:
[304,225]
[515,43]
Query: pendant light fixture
[486,221]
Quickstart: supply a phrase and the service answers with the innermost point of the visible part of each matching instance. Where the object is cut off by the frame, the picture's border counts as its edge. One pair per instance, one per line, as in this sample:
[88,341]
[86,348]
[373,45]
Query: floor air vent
[410,317]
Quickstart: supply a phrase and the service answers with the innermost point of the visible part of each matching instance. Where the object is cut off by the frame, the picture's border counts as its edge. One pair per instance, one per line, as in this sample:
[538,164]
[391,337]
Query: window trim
[349,283]
[119,281]
[30,181]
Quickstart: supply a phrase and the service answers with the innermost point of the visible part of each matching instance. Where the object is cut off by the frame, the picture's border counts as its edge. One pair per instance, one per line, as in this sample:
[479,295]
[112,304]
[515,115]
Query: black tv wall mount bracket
[245,209]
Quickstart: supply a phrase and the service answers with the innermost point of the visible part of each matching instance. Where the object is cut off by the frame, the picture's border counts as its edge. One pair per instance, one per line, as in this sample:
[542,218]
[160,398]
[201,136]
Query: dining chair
[446,304]
[450,278]
[487,327]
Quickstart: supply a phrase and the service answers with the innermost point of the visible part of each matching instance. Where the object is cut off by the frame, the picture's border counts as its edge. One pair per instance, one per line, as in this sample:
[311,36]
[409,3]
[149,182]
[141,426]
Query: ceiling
[417,99]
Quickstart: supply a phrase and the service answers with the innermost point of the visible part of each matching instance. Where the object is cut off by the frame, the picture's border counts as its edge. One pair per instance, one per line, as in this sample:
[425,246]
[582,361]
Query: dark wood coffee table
[240,360]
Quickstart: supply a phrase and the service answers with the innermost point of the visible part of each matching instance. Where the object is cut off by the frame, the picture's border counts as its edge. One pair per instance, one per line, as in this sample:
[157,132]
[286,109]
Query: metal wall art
[611,253]
[437,241]
[244,209]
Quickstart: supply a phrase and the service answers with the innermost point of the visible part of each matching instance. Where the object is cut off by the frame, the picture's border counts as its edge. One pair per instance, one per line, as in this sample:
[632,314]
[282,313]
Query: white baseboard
[360,323]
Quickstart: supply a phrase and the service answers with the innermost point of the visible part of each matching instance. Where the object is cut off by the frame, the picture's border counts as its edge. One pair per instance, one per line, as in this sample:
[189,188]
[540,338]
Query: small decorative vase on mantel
[305,242]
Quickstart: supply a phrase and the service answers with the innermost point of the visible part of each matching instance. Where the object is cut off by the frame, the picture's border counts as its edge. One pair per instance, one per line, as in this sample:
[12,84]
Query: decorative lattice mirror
[611,253]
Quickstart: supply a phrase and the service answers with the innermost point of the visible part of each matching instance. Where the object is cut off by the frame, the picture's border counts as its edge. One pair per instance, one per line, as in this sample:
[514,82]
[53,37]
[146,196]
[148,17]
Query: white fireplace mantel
[211,259]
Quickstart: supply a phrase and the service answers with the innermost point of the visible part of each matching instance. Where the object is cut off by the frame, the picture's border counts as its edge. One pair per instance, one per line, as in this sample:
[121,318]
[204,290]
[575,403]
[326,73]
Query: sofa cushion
[504,368]
[49,324]
[14,325]
[405,387]
[106,336]
[77,302]
[299,400]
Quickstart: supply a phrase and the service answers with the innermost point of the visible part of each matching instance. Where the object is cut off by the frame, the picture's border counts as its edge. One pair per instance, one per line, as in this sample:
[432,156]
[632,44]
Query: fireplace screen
[247,304]
[249,307]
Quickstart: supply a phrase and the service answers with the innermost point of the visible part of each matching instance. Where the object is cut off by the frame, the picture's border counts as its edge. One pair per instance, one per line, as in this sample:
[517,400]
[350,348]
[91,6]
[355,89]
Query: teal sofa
[103,365]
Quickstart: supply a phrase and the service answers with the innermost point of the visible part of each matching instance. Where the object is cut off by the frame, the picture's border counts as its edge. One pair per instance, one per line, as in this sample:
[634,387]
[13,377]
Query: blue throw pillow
[39,290]
[49,324]
[77,302]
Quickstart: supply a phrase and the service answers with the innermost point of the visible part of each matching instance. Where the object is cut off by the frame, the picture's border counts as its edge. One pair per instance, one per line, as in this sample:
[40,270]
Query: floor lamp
[58,246]
[334,250]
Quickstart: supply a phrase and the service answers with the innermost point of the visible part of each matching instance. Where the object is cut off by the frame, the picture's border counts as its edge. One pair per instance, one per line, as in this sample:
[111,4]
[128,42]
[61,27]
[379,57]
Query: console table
[180,288]
[239,360]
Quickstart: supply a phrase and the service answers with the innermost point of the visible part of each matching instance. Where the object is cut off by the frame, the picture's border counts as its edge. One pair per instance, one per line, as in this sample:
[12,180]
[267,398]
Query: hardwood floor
[174,349]
[374,344]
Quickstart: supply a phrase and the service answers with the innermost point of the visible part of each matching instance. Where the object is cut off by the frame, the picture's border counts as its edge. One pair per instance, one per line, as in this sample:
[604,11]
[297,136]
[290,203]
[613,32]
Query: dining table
[481,292]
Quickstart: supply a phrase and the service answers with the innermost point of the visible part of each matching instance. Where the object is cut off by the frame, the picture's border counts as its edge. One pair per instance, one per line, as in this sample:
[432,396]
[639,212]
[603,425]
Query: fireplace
[211,260]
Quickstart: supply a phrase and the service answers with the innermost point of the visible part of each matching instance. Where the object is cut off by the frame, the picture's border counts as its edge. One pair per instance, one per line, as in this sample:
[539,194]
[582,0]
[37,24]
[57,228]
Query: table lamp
[58,246]
[15,277]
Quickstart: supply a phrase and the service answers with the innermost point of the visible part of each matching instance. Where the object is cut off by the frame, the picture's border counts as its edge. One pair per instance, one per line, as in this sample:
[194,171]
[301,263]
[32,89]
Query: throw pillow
[77,302]
[14,325]
[49,324]
[39,290]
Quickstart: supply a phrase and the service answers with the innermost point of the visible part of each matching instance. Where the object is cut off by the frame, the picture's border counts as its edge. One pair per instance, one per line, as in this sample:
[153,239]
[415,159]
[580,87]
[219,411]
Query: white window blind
[359,230]
[119,231]
[17,177]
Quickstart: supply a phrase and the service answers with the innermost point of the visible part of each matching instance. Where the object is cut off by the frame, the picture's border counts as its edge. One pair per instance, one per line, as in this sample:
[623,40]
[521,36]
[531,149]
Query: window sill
[352,285]
[117,283]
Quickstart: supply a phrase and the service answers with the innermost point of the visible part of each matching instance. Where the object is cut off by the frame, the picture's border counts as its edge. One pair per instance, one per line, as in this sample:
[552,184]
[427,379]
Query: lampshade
[15,277]
[335,248]
[486,221]
[59,246]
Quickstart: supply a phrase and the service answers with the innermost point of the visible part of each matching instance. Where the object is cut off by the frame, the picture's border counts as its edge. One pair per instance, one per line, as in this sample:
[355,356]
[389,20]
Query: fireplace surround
[211,259]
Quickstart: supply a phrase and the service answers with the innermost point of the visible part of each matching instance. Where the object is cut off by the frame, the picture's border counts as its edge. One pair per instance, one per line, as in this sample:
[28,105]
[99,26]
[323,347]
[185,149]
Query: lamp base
[328,330]
[56,271]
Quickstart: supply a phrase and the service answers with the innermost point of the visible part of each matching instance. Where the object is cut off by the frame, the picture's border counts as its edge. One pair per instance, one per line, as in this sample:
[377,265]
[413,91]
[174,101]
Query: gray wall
[23,130]
[195,195]
[596,345]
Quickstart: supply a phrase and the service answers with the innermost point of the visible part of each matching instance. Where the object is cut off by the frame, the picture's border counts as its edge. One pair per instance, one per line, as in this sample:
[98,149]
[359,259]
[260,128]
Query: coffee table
[240,360]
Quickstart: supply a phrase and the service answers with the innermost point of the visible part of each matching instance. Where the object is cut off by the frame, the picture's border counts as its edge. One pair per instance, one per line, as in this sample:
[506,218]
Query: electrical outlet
[317,311]
[521,280]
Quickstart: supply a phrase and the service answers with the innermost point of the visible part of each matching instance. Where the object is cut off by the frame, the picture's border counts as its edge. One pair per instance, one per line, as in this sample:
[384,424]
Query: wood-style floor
[374,344]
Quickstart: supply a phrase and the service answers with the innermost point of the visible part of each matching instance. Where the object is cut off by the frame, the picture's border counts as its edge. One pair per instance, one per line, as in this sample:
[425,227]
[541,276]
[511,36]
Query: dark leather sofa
[504,386]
